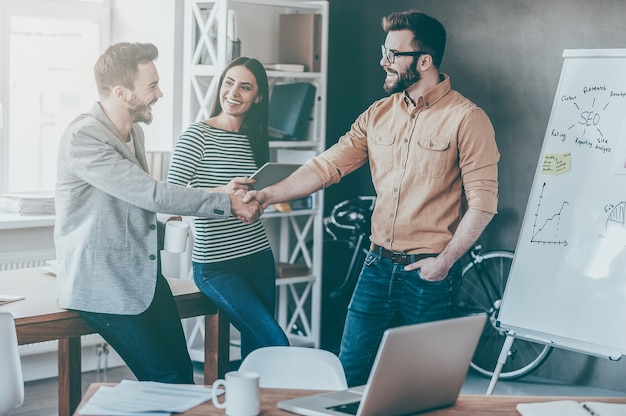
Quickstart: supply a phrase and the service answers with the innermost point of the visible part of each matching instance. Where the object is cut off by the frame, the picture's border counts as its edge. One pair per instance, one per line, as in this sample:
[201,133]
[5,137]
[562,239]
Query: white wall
[155,21]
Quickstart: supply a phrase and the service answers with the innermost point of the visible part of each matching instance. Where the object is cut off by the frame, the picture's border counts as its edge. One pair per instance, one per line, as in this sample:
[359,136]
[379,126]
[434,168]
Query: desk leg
[70,389]
[216,347]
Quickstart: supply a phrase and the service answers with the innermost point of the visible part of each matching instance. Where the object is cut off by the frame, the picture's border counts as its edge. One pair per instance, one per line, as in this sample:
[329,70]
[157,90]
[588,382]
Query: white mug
[176,236]
[242,396]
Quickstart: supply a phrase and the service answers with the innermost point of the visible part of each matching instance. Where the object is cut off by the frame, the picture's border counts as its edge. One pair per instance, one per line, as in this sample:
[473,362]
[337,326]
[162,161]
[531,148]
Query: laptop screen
[417,368]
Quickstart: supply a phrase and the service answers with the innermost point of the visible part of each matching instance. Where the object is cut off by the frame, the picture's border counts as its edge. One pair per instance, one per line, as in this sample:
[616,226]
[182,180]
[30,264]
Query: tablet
[271,172]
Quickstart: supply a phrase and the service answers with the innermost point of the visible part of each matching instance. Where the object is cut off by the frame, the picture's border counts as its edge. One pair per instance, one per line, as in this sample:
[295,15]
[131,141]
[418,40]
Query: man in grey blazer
[106,223]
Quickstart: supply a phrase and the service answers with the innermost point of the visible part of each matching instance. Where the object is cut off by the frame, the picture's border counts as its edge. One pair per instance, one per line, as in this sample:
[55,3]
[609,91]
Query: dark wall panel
[505,55]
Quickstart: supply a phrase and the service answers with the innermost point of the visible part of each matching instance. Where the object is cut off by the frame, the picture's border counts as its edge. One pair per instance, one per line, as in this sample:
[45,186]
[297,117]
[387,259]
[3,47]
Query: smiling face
[145,93]
[402,73]
[239,91]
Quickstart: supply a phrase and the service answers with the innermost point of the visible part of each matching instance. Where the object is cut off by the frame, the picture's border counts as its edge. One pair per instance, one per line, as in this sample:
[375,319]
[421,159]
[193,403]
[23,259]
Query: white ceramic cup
[242,393]
[176,236]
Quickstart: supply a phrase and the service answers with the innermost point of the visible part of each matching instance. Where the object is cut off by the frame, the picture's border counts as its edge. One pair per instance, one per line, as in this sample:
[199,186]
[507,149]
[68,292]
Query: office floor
[41,395]
[532,386]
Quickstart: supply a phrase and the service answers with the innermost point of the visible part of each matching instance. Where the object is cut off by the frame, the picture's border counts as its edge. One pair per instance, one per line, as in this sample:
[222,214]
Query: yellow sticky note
[556,164]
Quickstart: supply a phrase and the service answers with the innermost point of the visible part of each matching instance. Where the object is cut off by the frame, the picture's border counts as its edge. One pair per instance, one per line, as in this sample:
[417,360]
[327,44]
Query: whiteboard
[567,284]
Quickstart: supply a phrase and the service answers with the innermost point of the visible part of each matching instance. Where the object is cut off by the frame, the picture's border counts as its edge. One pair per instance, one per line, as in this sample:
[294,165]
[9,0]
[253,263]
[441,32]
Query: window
[48,52]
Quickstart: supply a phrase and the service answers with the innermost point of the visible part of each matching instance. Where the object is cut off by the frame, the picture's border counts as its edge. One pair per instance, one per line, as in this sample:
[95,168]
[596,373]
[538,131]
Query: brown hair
[429,34]
[118,65]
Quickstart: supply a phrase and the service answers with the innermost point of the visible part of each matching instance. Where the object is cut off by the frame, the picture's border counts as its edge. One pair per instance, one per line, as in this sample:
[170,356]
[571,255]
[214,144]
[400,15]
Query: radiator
[41,347]
[40,360]
[23,261]
[14,261]
[21,264]
[36,363]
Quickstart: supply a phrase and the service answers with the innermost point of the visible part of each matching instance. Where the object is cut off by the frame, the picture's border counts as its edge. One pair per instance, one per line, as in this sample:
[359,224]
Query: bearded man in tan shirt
[433,159]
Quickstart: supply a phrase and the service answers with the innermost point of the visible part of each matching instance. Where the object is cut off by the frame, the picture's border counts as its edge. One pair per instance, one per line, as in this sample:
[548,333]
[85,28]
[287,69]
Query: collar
[114,138]
[98,112]
[431,96]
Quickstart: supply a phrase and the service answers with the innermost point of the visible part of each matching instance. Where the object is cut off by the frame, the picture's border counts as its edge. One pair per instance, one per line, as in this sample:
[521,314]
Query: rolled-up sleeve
[478,160]
[344,157]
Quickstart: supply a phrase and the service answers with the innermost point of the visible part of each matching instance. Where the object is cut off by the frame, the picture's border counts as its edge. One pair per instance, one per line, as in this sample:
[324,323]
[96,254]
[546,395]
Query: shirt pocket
[381,149]
[433,156]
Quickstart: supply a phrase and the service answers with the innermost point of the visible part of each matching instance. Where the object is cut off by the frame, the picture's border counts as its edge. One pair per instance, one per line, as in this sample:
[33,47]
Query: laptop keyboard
[349,408]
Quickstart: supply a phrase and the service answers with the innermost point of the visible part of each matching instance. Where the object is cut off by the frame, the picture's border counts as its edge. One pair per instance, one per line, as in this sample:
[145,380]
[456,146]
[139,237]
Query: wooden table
[466,405]
[39,318]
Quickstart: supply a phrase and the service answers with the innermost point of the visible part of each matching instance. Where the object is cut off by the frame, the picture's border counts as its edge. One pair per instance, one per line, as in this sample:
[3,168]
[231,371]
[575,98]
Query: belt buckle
[398,258]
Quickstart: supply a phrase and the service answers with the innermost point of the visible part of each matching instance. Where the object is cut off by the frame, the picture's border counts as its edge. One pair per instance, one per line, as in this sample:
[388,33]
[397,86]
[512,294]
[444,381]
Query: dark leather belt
[399,258]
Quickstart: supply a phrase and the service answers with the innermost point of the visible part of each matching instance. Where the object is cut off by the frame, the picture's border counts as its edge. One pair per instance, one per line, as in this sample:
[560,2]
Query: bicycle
[347,229]
[484,277]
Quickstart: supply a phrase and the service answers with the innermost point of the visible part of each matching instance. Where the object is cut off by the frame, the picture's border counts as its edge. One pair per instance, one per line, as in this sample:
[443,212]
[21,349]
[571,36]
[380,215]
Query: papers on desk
[9,298]
[145,398]
[571,408]
[50,267]
[27,203]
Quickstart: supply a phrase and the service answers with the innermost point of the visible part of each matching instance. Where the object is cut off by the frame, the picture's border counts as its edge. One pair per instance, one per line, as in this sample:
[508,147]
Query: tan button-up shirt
[428,160]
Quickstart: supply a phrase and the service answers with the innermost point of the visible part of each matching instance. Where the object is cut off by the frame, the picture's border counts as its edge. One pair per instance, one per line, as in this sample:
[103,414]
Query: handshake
[247,205]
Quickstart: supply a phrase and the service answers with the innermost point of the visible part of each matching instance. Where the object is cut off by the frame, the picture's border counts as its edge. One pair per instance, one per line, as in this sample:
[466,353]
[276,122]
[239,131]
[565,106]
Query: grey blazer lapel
[140,148]
[116,140]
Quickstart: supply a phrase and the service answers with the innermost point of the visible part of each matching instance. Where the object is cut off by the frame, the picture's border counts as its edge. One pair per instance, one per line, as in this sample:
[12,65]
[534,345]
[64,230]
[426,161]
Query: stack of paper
[146,398]
[571,408]
[27,203]
[9,298]
[284,67]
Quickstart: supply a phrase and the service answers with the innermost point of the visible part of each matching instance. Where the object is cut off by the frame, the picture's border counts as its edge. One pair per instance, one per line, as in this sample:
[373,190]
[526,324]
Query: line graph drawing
[548,232]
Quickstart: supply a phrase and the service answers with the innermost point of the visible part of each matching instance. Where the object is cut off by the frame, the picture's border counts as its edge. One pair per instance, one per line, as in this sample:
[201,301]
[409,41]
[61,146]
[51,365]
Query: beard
[404,81]
[140,112]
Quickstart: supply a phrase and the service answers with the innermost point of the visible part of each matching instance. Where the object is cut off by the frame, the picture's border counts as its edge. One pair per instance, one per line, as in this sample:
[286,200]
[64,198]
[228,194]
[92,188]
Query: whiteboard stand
[504,354]
[575,218]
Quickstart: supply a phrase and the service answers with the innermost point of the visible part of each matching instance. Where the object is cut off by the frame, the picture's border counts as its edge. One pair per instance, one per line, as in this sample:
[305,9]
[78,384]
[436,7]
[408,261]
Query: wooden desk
[466,405]
[39,318]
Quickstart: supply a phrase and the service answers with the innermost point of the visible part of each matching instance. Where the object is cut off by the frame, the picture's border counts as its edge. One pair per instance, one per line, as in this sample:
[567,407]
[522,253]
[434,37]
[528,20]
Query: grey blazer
[106,224]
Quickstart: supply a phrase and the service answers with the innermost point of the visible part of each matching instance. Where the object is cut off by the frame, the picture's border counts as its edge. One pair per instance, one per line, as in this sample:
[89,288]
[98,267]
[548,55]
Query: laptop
[417,368]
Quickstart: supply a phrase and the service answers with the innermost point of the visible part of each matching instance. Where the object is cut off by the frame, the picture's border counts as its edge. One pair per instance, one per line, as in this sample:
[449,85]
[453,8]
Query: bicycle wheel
[483,283]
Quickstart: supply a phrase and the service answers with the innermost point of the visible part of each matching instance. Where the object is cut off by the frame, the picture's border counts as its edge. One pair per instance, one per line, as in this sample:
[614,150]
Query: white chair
[11,379]
[296,368]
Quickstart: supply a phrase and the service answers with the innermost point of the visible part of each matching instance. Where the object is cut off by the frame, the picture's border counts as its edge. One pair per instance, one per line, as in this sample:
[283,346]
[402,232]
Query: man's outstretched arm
[301,183]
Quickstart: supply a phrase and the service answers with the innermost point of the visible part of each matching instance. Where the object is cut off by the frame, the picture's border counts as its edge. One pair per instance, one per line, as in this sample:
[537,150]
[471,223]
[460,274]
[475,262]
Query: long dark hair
[255,121]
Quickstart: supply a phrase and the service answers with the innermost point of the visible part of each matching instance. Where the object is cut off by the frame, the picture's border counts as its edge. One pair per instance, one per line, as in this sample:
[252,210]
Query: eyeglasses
[391,55]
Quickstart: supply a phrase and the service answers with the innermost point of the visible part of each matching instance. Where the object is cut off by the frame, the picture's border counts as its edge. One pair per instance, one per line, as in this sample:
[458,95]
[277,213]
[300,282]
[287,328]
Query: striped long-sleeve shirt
[207,157]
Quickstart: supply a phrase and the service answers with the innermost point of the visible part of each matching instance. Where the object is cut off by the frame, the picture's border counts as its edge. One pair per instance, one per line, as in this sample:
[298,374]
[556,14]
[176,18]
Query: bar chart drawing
[616,221]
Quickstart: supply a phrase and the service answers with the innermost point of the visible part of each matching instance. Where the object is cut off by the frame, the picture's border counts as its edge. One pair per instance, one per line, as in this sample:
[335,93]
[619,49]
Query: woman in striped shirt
[232,262]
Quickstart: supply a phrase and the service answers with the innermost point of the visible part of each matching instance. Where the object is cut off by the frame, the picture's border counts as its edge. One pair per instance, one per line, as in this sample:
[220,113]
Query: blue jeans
[244,289]
[387,296]
[152,343]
